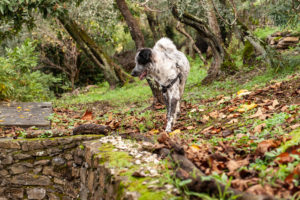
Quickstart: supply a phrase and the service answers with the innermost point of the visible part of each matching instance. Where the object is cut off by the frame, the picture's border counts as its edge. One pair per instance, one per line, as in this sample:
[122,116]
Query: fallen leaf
[295,126]
[233,165]
[246,107]
[234,115]
[259,128]
[177,131]
[153,131]
[214,114]
[284,158]
[206,129]
[243,92]
[261,190]
[275,103]
[265,146]
[233,121]
[226,133]
[88,115]
[195,147]
[190,127]
[204,119]
[296,173]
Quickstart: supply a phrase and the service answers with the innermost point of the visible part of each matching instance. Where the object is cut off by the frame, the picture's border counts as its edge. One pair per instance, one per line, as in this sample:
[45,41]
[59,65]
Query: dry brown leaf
[275,103]
[204,119]
[257,114]
[214,114]
[206,129]
[284,158]
[233,165]
[259,128]
[265,146]
[261,190]
[295,126]
[88,115]
[233,115]
[190,127]
[233,121]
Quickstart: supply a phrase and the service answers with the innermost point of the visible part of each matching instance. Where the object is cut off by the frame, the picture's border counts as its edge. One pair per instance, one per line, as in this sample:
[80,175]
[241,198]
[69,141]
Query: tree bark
[138,38]
[134,28]
[97,56]
[212,20]
[154,25]
[209,37]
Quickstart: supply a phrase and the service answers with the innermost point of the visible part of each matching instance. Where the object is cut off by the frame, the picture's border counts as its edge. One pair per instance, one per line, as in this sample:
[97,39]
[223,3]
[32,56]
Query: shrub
[18,78]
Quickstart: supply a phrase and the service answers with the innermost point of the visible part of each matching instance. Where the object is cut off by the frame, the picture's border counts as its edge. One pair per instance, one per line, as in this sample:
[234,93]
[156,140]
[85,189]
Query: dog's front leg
[171,115]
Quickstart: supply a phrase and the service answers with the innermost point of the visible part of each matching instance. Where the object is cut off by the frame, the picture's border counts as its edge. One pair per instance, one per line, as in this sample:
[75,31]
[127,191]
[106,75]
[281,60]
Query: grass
[140,93]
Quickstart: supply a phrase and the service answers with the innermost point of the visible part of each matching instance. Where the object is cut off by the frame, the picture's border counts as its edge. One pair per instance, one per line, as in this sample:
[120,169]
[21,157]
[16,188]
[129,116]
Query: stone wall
[41,168]
[77,167]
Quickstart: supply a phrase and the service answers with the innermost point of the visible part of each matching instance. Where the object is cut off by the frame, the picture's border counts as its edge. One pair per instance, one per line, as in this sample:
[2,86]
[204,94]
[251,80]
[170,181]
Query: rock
[35,145]
[52,196]
[42,162]
[36,193]
[3,172]
[21,156]
[49,171]
[59,181]
[15,193]
[58,161]
[9,144]
[29,179]
[50,143]
[18,169]
[7,161]
[37,170]
[68,156]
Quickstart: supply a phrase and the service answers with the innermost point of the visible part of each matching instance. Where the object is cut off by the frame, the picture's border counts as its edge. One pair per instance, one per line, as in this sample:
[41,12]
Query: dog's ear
[144,56]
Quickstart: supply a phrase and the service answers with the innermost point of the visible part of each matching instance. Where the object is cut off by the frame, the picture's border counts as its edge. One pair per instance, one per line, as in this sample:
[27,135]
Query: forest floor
[243,131]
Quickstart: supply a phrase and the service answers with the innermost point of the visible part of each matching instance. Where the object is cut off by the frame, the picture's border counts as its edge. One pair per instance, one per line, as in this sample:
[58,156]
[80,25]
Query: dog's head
[143,60]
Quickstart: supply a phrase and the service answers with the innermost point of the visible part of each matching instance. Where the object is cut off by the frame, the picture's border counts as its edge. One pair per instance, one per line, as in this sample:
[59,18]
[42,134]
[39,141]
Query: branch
[181,29]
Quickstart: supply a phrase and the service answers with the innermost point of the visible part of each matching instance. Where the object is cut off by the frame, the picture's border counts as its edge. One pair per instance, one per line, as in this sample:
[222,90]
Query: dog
[170,68]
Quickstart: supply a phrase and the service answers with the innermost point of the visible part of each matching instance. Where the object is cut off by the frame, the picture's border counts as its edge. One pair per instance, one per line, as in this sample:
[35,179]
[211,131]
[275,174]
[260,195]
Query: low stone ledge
[80,167]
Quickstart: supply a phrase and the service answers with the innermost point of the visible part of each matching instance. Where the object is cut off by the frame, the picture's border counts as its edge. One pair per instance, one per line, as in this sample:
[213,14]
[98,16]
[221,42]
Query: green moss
[81,147]
[120,160]
[248,53]
[293,142]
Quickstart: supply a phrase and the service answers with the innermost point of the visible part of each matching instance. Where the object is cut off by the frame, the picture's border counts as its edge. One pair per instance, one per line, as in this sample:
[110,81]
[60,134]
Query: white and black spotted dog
[170,68]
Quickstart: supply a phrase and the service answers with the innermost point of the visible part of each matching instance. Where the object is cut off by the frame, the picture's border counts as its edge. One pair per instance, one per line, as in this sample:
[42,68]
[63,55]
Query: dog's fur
[164,63]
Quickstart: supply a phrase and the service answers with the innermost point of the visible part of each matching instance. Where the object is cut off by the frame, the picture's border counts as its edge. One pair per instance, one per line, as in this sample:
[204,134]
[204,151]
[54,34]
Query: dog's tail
[165,44]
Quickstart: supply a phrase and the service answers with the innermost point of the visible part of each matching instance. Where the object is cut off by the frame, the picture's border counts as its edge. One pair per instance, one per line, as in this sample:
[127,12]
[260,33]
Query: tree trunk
[134,28]
[154,25]
[92,50]
[209,37]
[212,20]
[138,38]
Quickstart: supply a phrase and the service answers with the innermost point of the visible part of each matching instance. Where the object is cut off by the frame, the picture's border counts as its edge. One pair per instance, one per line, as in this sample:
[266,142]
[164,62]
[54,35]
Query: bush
[18,78]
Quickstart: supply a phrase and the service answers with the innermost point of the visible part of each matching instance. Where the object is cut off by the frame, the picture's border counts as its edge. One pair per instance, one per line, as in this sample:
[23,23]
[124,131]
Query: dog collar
[164,89]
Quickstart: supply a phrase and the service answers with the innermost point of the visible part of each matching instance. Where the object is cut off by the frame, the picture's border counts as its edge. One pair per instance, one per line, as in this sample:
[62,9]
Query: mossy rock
[248,54]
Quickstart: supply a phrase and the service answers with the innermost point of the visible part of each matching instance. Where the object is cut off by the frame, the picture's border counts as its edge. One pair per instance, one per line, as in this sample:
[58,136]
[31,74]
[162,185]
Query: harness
[164,89]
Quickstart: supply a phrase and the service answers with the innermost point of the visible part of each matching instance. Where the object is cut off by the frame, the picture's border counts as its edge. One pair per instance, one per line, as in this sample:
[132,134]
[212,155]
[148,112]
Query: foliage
[16,13]
[18,79]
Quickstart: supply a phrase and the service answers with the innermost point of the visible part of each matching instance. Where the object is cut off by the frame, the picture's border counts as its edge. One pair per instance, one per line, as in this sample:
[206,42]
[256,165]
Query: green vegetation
[18,78]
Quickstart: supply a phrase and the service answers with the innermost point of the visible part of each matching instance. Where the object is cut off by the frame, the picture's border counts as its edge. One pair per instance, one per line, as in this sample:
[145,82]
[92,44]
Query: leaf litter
[238,135]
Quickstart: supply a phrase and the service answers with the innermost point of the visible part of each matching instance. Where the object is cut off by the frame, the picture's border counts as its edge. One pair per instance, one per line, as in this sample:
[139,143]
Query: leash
[164,89]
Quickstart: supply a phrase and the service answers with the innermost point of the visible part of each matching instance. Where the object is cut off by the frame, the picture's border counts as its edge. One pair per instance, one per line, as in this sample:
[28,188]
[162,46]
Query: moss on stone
[248,53]
[81,147]
[120,160]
